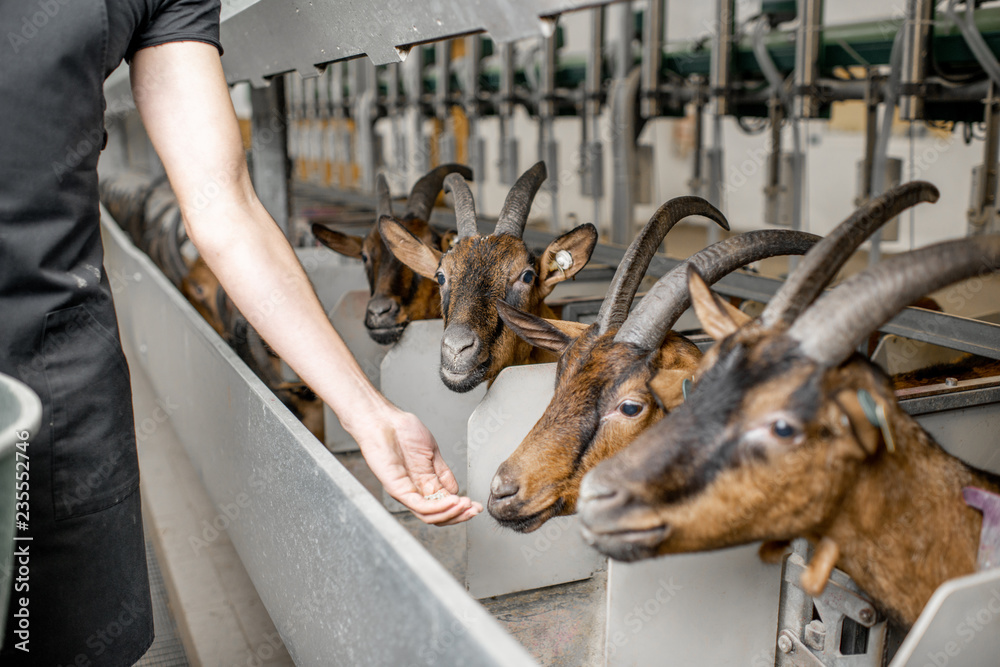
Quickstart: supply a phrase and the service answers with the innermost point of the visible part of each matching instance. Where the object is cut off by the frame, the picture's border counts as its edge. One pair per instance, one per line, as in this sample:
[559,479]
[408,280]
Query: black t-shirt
[136,24]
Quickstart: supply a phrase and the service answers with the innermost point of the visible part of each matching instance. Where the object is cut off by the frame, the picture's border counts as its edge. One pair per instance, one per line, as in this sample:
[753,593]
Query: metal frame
[327,31]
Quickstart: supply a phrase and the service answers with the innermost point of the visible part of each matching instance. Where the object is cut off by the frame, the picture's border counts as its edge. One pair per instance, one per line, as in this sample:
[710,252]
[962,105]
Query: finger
[465,516]
[444,473]
[423,507]
[447,515]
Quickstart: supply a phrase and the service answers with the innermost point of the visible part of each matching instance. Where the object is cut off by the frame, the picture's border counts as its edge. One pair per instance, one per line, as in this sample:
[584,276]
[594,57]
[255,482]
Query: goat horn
[465,205]
[822,263]
[669,297]
[383,200]
[633,266]
[514,214]
[426,190]
[832,328]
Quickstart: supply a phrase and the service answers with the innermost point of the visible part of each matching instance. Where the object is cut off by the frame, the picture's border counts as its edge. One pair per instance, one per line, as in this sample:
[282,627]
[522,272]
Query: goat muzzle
[462,363]
[610,525]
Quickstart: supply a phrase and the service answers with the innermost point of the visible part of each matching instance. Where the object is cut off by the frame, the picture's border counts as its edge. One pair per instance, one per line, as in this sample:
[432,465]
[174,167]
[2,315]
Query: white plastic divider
[957,627]
[411,380]
[332,274]
[716,608]
[332,567]
[501,561]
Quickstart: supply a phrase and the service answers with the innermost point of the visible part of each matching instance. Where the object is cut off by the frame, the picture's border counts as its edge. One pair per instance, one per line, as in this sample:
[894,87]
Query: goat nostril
[459,342]
[592,490]
[502,488]
[380,307]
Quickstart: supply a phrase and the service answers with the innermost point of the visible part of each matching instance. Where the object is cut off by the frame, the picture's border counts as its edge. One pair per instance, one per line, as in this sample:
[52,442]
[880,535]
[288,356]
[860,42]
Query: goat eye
[783,429]
[528,277]
[630,408]
[440,278]
[364,258]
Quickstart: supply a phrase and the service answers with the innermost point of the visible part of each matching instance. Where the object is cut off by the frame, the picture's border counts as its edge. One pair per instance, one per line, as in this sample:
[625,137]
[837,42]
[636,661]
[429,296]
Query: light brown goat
[398,295]
[601,401]
[478,270]
[774,443]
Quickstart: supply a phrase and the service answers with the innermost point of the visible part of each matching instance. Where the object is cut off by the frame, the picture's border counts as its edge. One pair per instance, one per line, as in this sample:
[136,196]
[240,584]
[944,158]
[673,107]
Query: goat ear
[718,318]
[448,240]
[408,248]
[578,244]
[345,244]
[867,434]
[552,335]
[668,387]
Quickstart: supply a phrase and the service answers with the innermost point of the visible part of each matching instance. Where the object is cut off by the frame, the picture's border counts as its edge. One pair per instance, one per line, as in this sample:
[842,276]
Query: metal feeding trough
[20,416]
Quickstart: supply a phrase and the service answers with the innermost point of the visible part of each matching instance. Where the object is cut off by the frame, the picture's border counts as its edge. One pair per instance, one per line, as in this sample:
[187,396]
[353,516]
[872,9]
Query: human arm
[181,94]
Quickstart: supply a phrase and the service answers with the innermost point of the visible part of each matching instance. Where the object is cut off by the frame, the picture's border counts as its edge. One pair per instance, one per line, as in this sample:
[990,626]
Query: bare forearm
[249,254]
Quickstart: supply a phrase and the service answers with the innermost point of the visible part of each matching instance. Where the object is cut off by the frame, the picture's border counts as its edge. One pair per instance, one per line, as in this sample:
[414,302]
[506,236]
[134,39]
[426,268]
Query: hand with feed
[405,458]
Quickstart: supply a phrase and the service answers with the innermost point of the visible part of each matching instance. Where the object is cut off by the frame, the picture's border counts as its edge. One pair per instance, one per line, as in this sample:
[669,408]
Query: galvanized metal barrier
[344,583]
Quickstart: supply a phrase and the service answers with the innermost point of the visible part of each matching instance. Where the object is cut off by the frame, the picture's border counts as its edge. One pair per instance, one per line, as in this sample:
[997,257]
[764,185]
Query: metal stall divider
[503,561]
[333,570]
[668,602]
[944,635]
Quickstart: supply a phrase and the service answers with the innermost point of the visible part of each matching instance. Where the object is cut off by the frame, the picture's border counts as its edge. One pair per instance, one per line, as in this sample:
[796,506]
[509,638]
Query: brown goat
[398,295]
[774,443]
[601,401]
[478,270]
[202,290]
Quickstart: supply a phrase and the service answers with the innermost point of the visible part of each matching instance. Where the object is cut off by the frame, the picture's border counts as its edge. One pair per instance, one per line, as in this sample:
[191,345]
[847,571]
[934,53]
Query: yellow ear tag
[875,412]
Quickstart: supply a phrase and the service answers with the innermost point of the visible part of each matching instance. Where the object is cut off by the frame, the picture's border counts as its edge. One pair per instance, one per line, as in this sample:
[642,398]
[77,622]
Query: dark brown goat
[774,443]
[398,295]
[478,270]
[601,401]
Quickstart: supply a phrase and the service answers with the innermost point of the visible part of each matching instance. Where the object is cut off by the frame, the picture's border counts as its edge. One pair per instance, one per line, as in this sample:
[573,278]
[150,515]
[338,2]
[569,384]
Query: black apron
[87,590]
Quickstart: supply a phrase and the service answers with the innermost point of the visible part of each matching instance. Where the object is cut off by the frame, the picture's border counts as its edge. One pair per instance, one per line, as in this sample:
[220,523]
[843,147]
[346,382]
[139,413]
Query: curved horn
[839,320]
[514,214]
[822,263]
[633,266]
[383,199]
[669,297]
[465,205]
[426,190]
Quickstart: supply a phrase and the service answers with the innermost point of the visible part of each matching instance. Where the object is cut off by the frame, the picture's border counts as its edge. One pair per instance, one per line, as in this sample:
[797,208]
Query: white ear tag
[564,260]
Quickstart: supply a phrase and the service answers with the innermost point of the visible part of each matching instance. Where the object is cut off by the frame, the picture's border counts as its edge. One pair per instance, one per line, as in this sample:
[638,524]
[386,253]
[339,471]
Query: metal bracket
[804,641]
